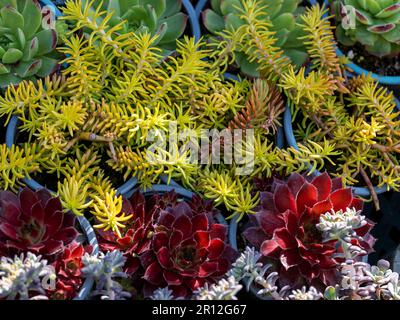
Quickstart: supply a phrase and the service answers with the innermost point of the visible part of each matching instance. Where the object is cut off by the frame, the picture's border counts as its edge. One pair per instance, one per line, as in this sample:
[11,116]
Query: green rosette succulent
[26,46]
[373,23]
[161,17]
[283,15]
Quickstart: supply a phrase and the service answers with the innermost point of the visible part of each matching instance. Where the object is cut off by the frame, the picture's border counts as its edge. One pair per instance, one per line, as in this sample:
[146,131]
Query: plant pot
[92,240]
[11,134]
[388,80]
[291,141]
[396,261]
[50,3]
[193,19]
[173,186]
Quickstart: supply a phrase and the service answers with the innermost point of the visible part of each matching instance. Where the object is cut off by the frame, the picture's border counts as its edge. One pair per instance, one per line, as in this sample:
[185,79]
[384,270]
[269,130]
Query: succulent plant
[283,15]
[136,238]
[362,281]
[285,228]
[225,289]
[305,294]
[21,277]
[377,25]
[153,16]
[106,269]
[69,275]
[188,250]
[26,47]
[35,222]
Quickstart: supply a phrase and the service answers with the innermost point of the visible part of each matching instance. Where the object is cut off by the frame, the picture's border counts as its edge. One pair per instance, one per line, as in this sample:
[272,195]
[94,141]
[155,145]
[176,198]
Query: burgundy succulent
[284,227]
[68,270]
[35,222]
[188,249]
[137,238]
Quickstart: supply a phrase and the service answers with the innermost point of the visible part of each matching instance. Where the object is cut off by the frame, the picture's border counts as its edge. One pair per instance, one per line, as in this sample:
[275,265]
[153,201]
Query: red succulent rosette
[188,250]
[284,227]
[137,238]
[68,272]
[35,222]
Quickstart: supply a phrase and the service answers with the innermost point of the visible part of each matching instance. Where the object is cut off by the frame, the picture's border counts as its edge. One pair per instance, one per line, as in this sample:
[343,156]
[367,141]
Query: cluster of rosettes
[34,223]
[172,243]
[297,225]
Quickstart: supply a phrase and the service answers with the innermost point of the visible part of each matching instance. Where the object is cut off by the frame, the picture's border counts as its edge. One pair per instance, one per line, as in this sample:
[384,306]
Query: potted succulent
[28,43]
[155,17]
[65,138]
[300,232]
[37,236]
[197,254]
[330,110]
[282,18]
[372,34]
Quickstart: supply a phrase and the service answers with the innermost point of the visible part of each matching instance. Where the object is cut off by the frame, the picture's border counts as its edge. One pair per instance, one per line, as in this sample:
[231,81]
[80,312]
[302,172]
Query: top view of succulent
[153,16]
[283,16]
[375,24]
[26,42]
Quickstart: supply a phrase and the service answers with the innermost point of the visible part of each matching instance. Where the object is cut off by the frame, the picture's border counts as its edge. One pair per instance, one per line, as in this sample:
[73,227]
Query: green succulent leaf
[364,17]
[380,48]
[29,68]
[389,11]
[48,66]
[232,21]
[176,26]
[173,7]
[11,18]
[31,50]
[11,56]
[393,35]
[298,57]
[229,6]
[382,28]
[216,6]
[21,39]
[213,21]
[158,5]
[32,19]
[47,41]
[151,18]
[4,69]
[9,79]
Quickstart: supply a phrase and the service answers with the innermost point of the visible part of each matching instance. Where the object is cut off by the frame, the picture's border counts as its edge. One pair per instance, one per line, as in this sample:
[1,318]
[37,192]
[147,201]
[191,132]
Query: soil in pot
[387,228]
[385,66]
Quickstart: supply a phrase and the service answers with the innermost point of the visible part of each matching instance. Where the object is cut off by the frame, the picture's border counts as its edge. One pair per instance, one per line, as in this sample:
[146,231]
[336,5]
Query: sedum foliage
[281,16]
[363,125]
[156,17]
[113,112]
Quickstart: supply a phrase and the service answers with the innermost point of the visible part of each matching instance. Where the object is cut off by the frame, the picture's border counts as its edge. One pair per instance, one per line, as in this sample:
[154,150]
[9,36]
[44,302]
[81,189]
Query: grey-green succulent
[26,44]
[283,15]
[157,17]
[373,23]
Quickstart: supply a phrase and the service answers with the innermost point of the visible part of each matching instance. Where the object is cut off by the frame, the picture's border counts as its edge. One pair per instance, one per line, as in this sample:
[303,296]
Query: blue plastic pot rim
[84,223]
[53,7]
[10,138]
[388,80]
[86,288]
[194,21]
[173,187]
[291,140]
